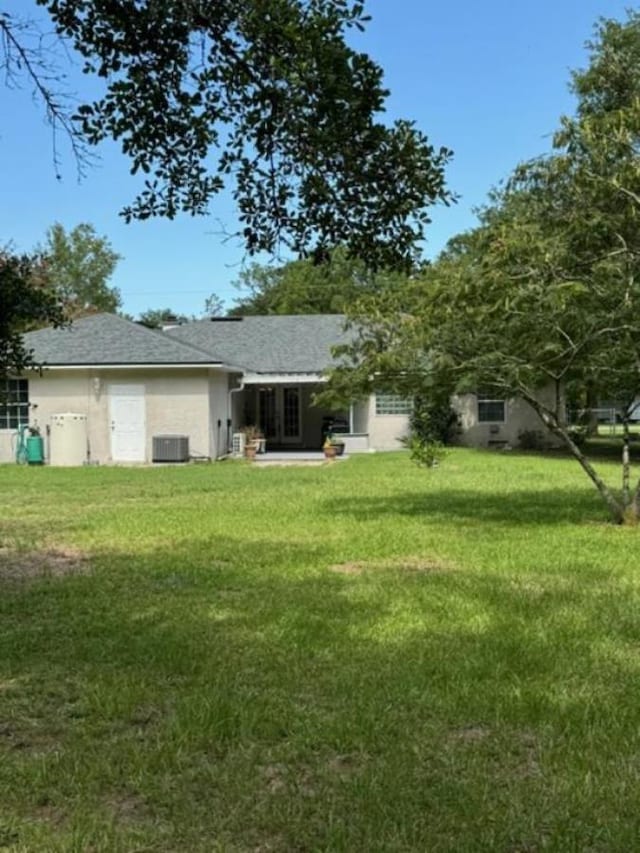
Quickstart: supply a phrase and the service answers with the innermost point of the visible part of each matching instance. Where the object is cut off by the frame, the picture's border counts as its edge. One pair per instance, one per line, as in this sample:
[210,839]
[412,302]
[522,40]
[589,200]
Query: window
[490,411]
[393,404]
[14,403]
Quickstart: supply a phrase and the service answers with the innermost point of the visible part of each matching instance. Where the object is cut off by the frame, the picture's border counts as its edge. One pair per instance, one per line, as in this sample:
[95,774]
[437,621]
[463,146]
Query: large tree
[26,301]
[156,318]
[267,98]
[308,287]
[546,291]
[80,264]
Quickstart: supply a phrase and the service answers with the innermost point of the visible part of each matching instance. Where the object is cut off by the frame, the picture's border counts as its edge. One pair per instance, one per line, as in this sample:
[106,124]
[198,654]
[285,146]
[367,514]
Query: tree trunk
[591,419]
[635,504]
[616,510]
[626,464]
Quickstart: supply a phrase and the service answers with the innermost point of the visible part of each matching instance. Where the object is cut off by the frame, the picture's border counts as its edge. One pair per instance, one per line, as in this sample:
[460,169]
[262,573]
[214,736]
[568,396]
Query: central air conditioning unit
[170,448]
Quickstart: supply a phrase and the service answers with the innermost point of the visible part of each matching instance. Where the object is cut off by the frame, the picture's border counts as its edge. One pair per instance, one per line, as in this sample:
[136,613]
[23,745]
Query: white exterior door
[128,423]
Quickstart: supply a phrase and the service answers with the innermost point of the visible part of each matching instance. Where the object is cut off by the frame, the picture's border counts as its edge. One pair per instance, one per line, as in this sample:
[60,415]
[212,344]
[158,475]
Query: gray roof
[268,344]
[106,339]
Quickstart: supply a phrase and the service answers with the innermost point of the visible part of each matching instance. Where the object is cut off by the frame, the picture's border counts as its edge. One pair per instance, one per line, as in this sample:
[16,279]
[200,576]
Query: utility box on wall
[170,448]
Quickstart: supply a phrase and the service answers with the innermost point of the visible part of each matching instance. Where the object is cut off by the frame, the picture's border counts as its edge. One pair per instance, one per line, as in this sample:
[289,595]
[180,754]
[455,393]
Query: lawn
[362,656]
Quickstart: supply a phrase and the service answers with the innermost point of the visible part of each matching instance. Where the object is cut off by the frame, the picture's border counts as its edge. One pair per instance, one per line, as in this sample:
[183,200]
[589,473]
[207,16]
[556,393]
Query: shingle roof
[268,344]
[107,339]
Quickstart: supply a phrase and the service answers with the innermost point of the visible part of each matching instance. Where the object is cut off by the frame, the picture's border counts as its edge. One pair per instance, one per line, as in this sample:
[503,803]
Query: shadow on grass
[244,672]
[522,507]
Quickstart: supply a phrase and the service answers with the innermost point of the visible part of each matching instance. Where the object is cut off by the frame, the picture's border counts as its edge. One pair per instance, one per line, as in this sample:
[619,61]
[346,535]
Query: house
[204,380]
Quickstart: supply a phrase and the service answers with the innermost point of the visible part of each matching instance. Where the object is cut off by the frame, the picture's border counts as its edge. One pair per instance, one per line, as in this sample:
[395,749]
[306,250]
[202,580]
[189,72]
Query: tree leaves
[26,301]
[80,264]
[268,99]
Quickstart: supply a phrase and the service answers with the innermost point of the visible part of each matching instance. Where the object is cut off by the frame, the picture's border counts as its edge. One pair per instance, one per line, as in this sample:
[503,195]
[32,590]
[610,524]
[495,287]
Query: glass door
[290,415]
[267,417]
[279,414]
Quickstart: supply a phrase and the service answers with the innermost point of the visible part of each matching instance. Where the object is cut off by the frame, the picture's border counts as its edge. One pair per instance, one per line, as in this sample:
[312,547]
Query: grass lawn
[362,656]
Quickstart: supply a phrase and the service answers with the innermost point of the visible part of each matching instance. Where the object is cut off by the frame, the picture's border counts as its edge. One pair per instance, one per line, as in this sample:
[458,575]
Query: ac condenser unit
[170,448]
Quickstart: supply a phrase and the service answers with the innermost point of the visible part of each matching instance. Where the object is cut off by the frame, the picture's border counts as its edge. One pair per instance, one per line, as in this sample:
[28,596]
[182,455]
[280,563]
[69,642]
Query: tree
[214,306]
[26,301]
[80,264]
[306,287]
[156,318]
[289,108]
[546,291]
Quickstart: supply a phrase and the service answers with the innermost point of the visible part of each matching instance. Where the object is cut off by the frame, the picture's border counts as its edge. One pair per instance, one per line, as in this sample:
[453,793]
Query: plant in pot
[332,447]
[252,440]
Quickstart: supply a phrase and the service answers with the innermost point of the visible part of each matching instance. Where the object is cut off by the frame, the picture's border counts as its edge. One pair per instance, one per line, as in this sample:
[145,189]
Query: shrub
[531,439]
[424,453]
[433,424]
[433,419]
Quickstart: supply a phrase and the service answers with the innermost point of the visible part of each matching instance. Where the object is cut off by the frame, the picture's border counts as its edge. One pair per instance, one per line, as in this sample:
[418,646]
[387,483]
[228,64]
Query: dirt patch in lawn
[470,734]
[347,765]
[523,748]
[349,568]
[58,562]
[128,808]
[16,735]
[403,564]
[281,778]
[49,814]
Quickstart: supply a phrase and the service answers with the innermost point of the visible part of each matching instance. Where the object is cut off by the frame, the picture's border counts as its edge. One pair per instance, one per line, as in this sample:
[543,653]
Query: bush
[424,453]
[531,439]
[579,435]
[433,424]
[433,420]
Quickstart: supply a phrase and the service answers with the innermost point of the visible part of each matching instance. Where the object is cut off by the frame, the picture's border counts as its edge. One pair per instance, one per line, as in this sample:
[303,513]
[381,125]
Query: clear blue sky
[487,79]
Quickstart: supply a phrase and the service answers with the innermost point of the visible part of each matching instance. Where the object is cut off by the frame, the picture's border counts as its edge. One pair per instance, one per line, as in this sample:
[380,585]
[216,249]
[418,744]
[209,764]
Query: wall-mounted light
[97,385]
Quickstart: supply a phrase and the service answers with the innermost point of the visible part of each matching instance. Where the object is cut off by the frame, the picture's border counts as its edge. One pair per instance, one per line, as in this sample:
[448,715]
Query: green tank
[35,450]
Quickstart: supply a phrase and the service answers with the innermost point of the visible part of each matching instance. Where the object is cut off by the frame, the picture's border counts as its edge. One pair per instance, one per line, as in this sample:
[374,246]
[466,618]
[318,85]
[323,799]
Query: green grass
[466,680]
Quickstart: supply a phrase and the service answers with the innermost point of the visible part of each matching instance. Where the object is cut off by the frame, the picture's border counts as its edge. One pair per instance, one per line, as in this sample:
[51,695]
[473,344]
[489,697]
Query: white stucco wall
[219,412]
[519,416]
[178,401]
[385,431]
[178,404]
[51,393]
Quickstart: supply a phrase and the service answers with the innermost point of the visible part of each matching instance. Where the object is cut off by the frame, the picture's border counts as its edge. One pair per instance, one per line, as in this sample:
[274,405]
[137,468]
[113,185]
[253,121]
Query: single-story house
[114,391]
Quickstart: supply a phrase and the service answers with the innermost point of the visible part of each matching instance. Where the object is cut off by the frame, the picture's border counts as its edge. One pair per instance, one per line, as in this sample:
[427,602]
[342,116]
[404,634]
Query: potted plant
[338,443]
[253,439]
[332,447]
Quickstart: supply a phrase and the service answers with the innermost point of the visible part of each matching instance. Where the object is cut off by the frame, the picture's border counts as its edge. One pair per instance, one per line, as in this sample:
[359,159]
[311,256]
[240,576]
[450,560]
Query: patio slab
[293,457]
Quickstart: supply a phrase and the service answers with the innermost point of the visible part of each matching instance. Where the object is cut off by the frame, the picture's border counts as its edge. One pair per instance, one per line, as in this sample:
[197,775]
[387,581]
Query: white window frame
[393,404]
[492,401]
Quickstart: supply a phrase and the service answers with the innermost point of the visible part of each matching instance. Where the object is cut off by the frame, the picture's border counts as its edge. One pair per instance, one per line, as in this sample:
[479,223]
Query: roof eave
[131,366]
[292,378]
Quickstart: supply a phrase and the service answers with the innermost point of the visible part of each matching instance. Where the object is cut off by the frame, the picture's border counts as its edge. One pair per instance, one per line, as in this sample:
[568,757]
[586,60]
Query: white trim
[216,364]
[282,378]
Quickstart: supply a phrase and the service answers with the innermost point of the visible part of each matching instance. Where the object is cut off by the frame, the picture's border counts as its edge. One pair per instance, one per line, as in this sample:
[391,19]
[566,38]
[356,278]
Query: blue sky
[488,80]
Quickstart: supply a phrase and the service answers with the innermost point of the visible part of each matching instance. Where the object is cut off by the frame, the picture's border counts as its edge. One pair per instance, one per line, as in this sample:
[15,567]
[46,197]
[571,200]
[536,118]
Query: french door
[279,414]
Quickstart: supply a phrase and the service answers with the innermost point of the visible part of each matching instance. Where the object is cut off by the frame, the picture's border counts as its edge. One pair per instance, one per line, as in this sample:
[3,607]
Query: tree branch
[20,57]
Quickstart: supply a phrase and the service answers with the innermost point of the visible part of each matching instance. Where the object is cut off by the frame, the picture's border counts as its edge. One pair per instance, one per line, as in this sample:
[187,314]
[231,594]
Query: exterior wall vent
[170,448]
